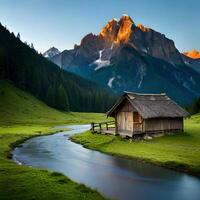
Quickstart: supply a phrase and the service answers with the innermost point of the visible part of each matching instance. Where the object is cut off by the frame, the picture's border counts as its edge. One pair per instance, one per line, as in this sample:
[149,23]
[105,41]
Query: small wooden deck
[103,127]
[110,131]
[109,128]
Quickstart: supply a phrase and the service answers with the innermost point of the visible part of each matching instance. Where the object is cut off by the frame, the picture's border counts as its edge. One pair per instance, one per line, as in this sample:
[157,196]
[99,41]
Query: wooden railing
[98,127]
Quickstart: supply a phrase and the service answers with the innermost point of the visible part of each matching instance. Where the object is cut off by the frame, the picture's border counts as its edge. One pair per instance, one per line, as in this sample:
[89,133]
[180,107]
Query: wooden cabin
[136,113]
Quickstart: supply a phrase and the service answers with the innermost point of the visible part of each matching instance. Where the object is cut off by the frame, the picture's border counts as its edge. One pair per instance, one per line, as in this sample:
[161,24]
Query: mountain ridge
[194,54]
[51,52]
[122,47]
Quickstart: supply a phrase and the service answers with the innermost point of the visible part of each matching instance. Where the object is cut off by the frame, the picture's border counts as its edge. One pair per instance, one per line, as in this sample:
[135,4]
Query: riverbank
[21,182]
[180,152]
[22,116]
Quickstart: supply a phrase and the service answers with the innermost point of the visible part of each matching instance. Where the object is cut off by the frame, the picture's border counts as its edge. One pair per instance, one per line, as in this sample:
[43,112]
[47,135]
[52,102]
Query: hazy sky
[62,23]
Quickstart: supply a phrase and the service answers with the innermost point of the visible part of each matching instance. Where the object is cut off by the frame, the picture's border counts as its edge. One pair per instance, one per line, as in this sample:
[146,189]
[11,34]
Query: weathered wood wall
[161,124]
[128,119]
[125,121]
[125,117]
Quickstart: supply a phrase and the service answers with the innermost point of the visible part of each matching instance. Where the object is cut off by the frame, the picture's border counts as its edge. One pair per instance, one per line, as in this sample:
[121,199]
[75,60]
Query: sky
[63,23]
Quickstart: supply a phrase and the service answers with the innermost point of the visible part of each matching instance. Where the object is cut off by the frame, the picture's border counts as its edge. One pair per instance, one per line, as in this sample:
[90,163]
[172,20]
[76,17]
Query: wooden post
[116,127]
[92,127]
[133,124]
[100,127]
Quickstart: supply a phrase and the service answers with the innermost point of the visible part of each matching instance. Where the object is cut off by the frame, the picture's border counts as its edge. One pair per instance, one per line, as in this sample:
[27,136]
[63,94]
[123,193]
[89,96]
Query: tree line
[33,73]
[194,107]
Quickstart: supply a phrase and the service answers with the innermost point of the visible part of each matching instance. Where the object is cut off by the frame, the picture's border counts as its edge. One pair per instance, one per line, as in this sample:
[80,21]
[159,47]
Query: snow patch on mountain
[141,73]
[101,63]
[51,52]
[187,63]
[144,50]
[110,81]
[112,45]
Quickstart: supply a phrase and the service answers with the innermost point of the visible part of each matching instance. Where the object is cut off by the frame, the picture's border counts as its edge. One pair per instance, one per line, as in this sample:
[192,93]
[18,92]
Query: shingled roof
[151,105]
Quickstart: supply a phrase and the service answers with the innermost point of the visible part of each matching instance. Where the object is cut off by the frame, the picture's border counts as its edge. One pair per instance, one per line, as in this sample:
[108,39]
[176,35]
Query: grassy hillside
[23,116]
[178,151]
[18,107]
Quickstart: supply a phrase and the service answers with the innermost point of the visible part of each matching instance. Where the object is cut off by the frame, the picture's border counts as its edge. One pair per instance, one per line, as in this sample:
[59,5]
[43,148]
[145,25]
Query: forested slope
[33,73]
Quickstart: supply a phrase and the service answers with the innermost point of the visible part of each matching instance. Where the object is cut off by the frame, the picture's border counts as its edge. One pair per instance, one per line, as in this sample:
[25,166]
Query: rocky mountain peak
[51,52]
[126,56]
[194,54]
[125,29]
[119,34]
[142,28]
[126,18]
[109,31]
[117,31]
[87,38]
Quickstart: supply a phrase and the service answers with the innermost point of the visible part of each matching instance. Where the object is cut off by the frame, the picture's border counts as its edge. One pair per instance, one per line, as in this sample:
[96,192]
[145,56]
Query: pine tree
[62,102]
[18,36]
[32,47]
[195,107]
[50,97]
[43,79]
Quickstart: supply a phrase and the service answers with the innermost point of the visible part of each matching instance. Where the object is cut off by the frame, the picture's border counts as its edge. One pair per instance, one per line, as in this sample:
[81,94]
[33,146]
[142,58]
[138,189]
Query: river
[114,177]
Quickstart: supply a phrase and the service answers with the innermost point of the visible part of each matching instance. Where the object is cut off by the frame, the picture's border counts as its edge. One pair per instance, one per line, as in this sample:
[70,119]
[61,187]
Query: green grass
[18,107]
[22,116]
[179,151]
[21,182]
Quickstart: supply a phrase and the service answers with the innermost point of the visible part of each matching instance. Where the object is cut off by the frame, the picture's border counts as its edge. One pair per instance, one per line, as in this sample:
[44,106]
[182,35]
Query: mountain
[193,63]
[51,52]
[192,59]
[126,56]
[194,54]
[33,73]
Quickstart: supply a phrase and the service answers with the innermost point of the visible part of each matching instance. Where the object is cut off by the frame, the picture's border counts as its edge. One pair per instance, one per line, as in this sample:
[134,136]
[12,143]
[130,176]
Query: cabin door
[125,121]
[128,121]
[137,122]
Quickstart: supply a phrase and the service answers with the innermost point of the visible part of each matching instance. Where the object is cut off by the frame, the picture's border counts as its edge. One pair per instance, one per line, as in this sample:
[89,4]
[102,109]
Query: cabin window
[136,117]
